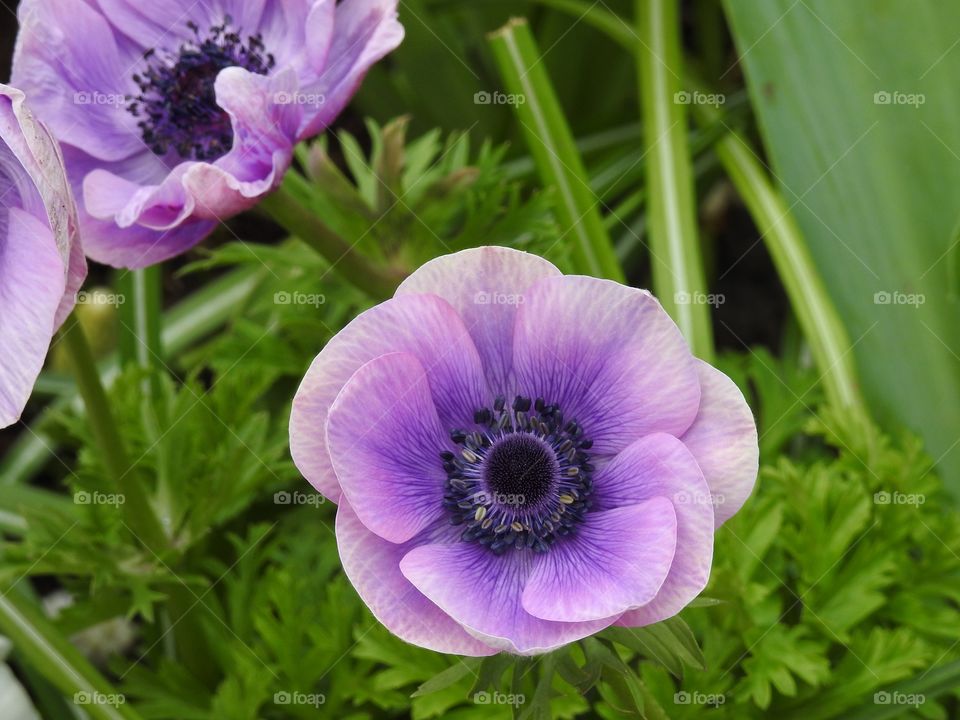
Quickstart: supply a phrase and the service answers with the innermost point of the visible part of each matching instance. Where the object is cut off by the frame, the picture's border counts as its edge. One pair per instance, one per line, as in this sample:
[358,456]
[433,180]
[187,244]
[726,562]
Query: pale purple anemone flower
[521,458]
[175,115]
[41,262]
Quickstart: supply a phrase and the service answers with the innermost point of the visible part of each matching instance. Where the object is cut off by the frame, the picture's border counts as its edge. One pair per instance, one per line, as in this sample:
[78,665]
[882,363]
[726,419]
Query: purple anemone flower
[174,115]
[521,458]
[41,262]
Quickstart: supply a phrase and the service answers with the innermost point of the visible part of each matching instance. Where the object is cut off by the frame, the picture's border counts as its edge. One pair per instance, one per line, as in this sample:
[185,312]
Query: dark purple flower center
[177,103]
[522,480]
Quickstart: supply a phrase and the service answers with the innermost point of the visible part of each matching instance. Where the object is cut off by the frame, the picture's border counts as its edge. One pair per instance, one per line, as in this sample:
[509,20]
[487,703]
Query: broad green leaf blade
[552,145]
[864,140]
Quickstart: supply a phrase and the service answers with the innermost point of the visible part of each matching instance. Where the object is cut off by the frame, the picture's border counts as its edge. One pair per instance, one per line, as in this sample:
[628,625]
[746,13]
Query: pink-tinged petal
[482,592]
[616,560]
[299,34]
[661,466]
[68,61]
[425,326]
[486,286]
[385,441]
[364,32]
[373,566]
[723,439]
[609,356]
[32,284]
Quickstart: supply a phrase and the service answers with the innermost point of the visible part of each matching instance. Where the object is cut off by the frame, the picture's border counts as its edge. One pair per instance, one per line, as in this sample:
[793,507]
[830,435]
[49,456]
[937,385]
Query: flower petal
[661,466]
[425,326]
[486,286]
[482,592]
[373,566]
[77,77]
[609,356]
[385,441]
[364,32]
[723,439]
[615,561]
[32,284]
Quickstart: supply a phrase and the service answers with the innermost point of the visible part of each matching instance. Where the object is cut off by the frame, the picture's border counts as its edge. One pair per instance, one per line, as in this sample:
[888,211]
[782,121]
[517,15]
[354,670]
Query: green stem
[61,663]
[192,319]
[136,507]
[289,209]
[811,303]
[554,149]
[677,265]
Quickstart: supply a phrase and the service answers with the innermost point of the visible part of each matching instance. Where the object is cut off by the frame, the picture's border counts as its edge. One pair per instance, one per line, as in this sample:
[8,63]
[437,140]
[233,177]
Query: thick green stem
[289,210]
[139,514]
[554,149]
[677,265]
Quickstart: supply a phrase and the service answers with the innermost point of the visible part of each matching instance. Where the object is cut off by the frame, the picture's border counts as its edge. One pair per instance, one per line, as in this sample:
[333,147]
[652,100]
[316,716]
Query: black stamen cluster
[177,103]
[521,479]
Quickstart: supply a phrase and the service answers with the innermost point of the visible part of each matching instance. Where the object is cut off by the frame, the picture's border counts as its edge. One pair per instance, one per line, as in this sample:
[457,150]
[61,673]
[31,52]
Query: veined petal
[486,286]
[425,326]
[385,441]
[609,356]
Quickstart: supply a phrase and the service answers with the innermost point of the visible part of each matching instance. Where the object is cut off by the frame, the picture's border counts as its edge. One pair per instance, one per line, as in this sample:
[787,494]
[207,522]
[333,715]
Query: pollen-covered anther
[522,479]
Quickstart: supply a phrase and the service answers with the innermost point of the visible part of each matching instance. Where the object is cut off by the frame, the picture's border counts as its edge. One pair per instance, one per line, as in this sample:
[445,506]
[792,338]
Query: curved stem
[139,514]
[290,212]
